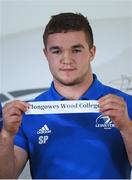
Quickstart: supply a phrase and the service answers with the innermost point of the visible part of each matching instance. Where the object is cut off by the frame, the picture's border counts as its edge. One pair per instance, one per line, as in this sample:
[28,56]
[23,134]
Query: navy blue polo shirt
[82,145]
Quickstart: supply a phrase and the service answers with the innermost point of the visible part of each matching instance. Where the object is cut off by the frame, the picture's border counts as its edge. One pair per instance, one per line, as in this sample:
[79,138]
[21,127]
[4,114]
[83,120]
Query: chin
[69,82]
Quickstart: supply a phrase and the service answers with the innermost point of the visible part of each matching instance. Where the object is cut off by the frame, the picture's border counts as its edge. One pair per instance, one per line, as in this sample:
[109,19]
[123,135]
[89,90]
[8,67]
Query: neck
[73,92]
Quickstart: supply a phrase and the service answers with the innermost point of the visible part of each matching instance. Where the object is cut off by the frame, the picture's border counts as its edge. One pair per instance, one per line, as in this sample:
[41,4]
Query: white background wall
[22,63]
[22,54]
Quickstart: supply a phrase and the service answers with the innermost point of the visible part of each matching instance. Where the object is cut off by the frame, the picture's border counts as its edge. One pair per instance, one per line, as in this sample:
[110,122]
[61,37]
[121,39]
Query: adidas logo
[44,130]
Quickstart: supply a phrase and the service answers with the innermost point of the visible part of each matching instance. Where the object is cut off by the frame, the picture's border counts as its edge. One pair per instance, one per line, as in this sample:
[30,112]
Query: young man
[73,145]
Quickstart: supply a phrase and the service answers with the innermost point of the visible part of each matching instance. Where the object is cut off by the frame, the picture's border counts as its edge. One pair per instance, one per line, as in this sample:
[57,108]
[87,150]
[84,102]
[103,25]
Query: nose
[67,57]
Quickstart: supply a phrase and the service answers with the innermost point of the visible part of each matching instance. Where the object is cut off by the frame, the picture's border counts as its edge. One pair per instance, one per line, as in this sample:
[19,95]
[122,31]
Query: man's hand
[12,115]
[116,108]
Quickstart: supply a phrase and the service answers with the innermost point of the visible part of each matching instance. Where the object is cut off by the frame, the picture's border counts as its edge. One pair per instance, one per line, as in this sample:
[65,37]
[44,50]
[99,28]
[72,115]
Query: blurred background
[24,71]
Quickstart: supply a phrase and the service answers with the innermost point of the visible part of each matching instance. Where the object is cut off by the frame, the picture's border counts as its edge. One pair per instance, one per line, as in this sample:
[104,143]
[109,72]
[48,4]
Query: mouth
[67,69]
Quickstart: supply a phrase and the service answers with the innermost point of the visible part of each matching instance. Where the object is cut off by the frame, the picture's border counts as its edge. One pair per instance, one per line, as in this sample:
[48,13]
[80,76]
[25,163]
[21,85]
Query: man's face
[69,57]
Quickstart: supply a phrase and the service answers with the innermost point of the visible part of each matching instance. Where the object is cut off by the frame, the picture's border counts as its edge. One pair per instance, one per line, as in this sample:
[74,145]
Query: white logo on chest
[43,132]
[104,122]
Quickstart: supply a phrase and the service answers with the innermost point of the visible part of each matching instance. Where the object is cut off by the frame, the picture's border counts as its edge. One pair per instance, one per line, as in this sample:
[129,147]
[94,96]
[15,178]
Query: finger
[110,106]
[13,111]
[13,120]
[110,97]
[22,106]
[111,100]
[112,113]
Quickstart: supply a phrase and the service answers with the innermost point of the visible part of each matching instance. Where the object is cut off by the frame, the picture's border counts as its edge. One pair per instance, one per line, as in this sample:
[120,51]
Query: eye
[76,50]
[58,51]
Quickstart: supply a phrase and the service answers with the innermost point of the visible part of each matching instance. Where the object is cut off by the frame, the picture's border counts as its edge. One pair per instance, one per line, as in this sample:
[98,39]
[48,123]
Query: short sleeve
[21,140]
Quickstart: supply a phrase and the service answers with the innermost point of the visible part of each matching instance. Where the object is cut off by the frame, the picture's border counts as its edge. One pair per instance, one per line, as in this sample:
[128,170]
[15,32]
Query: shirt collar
[95,91]
[54,95]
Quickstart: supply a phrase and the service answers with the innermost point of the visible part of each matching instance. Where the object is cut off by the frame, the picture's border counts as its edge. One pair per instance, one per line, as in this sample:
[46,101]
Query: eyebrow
[78,46]
[54,48]
[73,47]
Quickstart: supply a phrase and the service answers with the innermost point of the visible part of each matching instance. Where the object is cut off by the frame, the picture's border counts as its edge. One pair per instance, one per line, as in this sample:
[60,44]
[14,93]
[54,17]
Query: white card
[63,107]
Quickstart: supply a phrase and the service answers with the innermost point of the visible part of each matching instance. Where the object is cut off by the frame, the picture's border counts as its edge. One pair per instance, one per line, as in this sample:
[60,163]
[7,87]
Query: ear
[45,52]
[92,52]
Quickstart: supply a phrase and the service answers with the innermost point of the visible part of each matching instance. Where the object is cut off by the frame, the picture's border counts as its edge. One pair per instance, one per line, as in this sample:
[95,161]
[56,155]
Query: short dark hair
[65,22]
